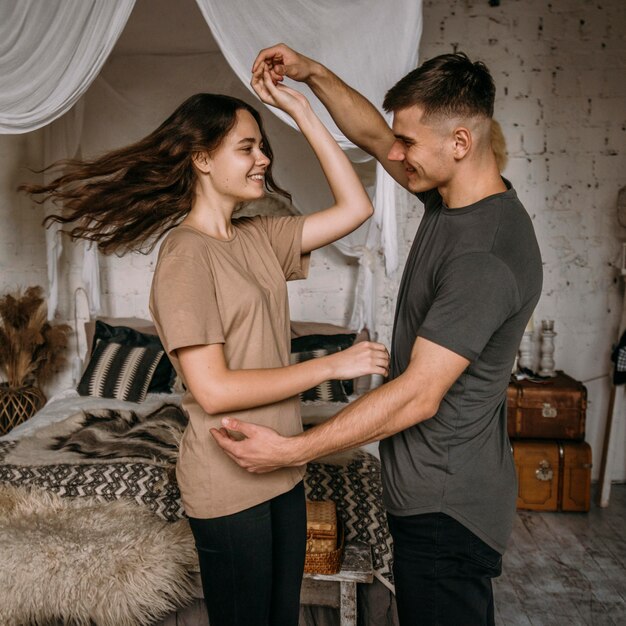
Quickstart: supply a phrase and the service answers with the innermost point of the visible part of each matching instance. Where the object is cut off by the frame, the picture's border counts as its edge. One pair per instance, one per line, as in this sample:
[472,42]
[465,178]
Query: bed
[90,511]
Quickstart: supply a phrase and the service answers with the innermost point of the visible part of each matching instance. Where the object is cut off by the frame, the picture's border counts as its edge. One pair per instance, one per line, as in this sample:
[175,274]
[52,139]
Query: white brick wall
[22,249]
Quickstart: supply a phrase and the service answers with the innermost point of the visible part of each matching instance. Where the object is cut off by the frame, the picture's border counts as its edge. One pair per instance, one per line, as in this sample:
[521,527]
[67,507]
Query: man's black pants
[442,572]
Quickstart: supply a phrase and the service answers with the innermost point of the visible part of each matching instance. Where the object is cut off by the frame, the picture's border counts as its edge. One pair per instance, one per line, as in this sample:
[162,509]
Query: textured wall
[22,247]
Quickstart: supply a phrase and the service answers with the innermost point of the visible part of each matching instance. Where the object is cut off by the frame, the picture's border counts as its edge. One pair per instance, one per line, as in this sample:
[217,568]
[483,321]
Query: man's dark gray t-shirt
[471,283]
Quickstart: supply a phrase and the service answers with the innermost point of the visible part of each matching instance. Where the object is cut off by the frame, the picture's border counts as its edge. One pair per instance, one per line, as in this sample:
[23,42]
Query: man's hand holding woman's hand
[280,96]
[282,61]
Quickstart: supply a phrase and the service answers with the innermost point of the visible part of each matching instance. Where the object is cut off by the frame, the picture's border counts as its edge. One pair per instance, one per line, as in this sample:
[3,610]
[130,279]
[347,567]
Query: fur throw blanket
[89,437]
[115,434]
[80,561]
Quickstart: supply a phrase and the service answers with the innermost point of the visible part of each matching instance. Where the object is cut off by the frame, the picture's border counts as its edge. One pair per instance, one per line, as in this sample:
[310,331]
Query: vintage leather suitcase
[551,409]
[553,475]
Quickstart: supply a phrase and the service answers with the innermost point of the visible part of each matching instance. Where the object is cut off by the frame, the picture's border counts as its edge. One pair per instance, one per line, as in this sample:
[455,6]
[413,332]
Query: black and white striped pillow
[119,371]
[327,391]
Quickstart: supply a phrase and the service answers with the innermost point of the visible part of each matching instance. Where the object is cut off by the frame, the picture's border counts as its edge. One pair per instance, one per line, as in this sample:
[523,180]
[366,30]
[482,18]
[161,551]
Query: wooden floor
[566,568]
[561,569]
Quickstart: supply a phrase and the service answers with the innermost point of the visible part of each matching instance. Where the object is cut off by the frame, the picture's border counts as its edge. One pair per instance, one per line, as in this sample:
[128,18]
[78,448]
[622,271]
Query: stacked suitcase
[546,425]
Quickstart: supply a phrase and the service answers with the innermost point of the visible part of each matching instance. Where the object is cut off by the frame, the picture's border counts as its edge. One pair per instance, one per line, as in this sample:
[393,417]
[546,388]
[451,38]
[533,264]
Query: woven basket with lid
[324,546]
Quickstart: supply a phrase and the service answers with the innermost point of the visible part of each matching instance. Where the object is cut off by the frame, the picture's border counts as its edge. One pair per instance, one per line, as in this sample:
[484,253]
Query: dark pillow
[164,375]
[116,370]
[329,344]
[332,343]
[327,391]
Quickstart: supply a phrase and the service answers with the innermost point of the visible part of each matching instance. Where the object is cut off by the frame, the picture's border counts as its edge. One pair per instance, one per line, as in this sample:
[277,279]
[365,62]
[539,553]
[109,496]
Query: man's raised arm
[355,115]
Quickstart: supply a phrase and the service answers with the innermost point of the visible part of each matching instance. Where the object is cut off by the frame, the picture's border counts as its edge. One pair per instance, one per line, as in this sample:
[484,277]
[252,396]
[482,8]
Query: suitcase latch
[548,410]
[544,471]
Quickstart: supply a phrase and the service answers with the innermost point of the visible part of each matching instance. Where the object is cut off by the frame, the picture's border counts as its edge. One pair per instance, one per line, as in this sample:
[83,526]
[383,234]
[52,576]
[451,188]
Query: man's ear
[201,161]
[462,138]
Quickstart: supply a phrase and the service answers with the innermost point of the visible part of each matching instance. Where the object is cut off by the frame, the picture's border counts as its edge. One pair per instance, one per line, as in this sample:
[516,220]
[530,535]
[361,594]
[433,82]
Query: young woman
[219,301]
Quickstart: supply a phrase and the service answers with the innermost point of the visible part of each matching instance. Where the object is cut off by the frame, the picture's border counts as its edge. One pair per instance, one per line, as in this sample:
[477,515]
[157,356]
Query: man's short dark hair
[449,85]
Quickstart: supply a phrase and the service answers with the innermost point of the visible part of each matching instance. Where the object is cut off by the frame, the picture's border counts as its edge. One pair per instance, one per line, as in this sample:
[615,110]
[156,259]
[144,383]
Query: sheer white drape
[368,43]
[61,141]
[50,52]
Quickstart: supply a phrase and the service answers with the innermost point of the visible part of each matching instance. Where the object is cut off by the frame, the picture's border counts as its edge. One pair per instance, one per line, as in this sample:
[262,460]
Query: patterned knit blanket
[355,487]
[116,454]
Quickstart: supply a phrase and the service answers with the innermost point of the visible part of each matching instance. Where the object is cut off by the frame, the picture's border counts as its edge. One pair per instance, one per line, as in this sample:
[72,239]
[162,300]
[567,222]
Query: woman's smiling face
[237,167]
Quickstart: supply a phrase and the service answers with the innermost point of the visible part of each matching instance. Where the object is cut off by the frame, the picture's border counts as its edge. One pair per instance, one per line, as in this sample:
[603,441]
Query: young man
[470,284]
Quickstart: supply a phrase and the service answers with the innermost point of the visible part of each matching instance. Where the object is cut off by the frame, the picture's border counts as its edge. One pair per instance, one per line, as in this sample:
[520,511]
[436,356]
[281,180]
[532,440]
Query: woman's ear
[201,161]
[462,142]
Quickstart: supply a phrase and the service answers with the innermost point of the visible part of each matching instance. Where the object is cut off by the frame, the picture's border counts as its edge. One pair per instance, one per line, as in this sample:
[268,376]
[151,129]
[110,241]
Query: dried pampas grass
[81,561]
[31,349]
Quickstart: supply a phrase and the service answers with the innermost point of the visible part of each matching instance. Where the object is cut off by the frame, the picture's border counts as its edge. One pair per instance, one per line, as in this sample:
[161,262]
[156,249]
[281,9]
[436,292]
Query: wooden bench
[339,590]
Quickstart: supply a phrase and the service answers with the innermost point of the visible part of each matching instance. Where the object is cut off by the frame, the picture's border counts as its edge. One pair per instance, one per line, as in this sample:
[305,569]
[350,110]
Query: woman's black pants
[251,562]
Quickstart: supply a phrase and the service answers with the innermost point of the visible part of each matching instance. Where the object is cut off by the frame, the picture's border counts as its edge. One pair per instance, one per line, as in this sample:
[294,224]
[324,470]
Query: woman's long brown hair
[128,198]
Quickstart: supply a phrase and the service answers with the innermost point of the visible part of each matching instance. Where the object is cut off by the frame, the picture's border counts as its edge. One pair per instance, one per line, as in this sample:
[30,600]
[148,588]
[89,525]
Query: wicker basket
[325,540]
[17,405]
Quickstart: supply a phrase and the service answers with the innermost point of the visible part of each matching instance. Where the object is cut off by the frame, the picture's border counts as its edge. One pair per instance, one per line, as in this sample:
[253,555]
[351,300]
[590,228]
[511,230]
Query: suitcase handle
[544,471]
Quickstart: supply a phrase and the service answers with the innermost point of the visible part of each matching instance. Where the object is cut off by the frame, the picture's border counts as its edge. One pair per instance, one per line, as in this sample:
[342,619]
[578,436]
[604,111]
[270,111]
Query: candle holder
[525,359]
[546,362]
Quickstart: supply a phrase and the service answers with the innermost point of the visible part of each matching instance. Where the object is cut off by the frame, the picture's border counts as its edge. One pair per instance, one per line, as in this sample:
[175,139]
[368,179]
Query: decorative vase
[525,354]
[18,404]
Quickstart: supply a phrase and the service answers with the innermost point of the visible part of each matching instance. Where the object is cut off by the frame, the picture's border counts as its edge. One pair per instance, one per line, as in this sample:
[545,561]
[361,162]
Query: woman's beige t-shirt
[207,291]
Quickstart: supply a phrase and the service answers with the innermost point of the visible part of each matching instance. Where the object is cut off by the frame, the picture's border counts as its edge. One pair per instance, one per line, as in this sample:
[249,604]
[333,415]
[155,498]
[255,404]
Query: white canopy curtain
[368,43]
[50,52]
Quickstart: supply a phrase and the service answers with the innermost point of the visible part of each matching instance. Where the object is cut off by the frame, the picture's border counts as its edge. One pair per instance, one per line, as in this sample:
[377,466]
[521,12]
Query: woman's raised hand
[365,357]
[283,61]
[281,96]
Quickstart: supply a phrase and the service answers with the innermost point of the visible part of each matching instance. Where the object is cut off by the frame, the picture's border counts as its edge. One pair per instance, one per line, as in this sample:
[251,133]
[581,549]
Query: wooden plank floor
[561,569]
[566,568]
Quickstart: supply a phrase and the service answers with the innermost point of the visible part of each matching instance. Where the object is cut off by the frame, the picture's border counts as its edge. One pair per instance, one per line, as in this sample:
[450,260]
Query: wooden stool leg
[347,606]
